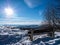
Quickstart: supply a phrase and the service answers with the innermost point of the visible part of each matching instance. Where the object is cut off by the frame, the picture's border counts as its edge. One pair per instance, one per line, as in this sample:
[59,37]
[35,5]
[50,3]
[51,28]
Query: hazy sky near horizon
[29,11]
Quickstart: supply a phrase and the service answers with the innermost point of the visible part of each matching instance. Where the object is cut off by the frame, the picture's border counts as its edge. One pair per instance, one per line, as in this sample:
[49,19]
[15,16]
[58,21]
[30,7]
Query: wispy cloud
[32,3]
[22,22]
[19,20]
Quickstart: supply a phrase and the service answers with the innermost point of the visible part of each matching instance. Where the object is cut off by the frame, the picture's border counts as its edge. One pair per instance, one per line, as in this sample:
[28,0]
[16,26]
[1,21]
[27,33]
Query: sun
[9,11]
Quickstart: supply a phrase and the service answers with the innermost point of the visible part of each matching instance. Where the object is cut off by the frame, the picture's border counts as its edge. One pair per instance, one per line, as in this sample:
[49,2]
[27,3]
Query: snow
[19,37]
[57,34]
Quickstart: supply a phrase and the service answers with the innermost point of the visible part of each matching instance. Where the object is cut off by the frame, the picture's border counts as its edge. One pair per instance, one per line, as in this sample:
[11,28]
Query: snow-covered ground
[39,40]
[19,37]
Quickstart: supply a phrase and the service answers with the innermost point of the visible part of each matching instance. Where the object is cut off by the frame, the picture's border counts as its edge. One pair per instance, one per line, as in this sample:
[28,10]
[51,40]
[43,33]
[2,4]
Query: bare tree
[52,15]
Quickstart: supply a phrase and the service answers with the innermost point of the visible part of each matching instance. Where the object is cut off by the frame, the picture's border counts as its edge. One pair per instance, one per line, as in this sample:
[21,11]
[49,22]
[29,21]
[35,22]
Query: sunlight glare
[9,11]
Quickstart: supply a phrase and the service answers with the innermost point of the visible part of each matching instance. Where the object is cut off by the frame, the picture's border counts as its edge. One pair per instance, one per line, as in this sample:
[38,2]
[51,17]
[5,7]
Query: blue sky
[25,11]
